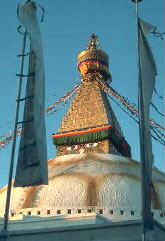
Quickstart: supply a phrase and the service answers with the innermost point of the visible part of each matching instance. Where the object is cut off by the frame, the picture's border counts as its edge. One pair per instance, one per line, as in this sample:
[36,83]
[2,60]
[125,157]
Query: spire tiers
[90,125]
[94,59]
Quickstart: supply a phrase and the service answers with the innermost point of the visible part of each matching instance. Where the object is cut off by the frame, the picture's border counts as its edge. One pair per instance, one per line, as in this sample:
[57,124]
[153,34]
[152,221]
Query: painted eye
[95,144]
[91,144]
[69,148]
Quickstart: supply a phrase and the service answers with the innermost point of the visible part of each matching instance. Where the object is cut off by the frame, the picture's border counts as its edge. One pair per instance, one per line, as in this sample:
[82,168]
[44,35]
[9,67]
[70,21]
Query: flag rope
[111,92]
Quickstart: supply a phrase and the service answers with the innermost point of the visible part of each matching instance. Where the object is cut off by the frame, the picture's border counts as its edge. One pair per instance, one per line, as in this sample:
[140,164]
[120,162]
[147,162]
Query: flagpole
[6,215]
[141,127]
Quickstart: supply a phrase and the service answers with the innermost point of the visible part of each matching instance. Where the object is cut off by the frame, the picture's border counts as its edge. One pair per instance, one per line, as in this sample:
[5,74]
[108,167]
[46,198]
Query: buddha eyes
[76,147]
[91,144]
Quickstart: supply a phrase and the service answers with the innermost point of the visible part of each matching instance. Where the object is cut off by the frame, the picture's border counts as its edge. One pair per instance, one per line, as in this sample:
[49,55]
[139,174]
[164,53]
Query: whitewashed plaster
[82,181]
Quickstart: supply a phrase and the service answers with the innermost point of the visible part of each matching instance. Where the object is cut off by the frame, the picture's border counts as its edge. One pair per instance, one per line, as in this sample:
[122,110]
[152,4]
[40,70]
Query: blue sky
[65,31]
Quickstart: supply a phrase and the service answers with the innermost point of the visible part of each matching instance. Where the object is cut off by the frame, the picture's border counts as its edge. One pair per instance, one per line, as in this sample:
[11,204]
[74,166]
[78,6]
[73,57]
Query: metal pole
[6,216]
[141,125]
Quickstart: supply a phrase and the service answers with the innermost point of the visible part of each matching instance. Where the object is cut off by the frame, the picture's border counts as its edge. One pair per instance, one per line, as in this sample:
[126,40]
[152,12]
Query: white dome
[83,180]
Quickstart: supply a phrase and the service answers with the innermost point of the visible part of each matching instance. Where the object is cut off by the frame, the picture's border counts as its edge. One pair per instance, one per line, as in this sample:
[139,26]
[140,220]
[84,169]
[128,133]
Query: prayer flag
[32,158]
[147,73]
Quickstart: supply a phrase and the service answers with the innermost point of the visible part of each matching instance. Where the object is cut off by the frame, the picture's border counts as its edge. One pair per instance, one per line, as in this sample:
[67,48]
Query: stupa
[90,125]
[93,170]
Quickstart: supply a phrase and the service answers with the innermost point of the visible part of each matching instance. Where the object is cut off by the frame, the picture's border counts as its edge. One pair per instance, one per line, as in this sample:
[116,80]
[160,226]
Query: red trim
[82,132]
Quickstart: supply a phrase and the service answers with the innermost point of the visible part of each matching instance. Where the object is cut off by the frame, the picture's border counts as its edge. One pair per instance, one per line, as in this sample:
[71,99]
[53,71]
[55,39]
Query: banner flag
[147,73]
[32,157]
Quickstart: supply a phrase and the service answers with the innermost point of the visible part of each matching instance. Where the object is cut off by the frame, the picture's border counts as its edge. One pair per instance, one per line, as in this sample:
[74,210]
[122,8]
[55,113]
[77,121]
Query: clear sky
[65,31]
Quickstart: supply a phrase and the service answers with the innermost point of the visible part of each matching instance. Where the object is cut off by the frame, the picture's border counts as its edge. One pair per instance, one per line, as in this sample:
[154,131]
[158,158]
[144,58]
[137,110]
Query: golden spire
[94,59]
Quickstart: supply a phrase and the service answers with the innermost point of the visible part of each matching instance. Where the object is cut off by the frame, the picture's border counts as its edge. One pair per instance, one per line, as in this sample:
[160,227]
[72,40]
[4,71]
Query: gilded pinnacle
[93,42]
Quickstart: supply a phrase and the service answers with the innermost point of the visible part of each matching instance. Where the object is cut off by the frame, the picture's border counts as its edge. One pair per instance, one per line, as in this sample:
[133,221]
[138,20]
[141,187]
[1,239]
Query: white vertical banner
[147,73]
[32,158]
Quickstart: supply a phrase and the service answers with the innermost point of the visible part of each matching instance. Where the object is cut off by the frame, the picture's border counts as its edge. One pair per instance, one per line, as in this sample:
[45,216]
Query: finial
[136,1]
[93,42]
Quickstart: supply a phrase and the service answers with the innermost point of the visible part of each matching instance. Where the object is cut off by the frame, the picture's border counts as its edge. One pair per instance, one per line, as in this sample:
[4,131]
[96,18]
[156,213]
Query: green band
[83,138]
[116,140]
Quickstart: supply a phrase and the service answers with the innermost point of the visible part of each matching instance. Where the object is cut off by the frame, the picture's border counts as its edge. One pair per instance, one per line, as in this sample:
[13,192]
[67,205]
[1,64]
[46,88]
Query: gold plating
[93,54]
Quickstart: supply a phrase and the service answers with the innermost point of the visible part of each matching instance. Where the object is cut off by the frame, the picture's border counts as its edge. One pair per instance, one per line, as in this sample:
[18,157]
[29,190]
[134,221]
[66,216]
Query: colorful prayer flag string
[6,138]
